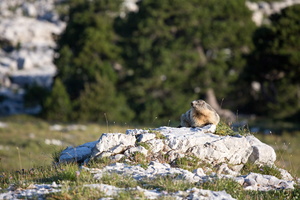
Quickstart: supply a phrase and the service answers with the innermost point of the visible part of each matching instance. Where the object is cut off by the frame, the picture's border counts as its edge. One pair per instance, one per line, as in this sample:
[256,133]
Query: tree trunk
[225,114]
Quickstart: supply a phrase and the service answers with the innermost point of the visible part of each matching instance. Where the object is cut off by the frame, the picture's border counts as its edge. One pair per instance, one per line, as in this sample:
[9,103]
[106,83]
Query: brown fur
[199,115]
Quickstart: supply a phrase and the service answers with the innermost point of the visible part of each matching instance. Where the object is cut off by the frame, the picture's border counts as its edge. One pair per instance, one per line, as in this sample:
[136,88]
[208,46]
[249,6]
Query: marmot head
[198,104]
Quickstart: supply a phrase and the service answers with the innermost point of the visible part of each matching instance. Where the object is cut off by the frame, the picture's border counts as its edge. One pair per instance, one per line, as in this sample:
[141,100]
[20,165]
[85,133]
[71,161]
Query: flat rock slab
[207,146]
[77,154]
[176,143]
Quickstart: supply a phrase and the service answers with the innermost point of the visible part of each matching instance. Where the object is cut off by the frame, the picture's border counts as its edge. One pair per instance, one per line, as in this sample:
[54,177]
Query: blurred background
[115,64]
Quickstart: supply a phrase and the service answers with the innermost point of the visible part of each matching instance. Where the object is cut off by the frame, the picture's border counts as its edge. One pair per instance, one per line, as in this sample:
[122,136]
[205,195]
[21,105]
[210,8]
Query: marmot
[199,115]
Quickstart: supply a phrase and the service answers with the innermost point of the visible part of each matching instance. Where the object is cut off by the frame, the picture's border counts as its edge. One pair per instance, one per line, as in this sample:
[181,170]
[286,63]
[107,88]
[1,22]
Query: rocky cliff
[27,30]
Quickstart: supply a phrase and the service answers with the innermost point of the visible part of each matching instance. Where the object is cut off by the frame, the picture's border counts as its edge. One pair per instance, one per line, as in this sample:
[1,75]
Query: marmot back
[199,115]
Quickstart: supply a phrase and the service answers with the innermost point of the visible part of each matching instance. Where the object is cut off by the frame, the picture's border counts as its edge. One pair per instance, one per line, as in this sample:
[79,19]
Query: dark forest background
[150,64]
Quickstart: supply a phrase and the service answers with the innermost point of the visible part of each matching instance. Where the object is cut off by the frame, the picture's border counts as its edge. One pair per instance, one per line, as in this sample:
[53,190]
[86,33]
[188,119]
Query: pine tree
[274,64]
[176,50]
[87,47]
[57,106]
[88,54]
[99,102]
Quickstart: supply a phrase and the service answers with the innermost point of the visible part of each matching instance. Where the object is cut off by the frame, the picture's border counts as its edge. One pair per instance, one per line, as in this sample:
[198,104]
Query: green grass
[119,180]
[265,169]
[190,163]
[224,129]
[168,183]
[77,193]
[236,191]
[22,142]
[287,150]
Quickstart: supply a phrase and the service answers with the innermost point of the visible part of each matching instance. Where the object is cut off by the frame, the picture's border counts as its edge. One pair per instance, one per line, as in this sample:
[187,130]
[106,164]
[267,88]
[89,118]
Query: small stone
[285,175]
[145,137]
[199,172]
[157,145]
[54,185]
[139,149]
[262,153]
[239,180]
[249,182]
[117,157]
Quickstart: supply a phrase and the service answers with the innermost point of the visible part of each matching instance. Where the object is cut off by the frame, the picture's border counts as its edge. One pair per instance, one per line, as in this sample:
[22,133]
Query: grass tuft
[130,195]
[224,129]
[144,144]
[264,169]
[190,163]
[119,180]
[168,183]
[139,158]
[100,162]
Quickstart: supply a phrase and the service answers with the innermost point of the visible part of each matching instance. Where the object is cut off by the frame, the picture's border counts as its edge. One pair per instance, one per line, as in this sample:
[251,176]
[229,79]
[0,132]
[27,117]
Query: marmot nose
[193,103]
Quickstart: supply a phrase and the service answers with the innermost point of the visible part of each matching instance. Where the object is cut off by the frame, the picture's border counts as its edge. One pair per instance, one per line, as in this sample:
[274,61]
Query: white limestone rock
[113,143]
[224,169]
[285,175]
[259,182]
[139,149]
[136,132]
[33,191]
[146,137]
[180,142]
[77,154]
[200,172]
[29,31]
[154,170]
[200,194]
[261,10]
[156,145]
[207,146]
[117,157]
[262,153]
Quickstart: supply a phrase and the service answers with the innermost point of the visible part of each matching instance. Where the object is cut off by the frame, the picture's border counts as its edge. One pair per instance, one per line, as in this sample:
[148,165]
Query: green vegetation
[236,191]
[274,64]
[23,142]
[57,106]
[77,193]
[168,183]
[190,163]
[100,162]
[146,66]
[287,149]
[139,158]
[159,135]
[88,55]
[144,144]
[224,129]
[35,95]
[119,180]
[268,170]
[130,195]
[46,174]
[229,185]
[170,62]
